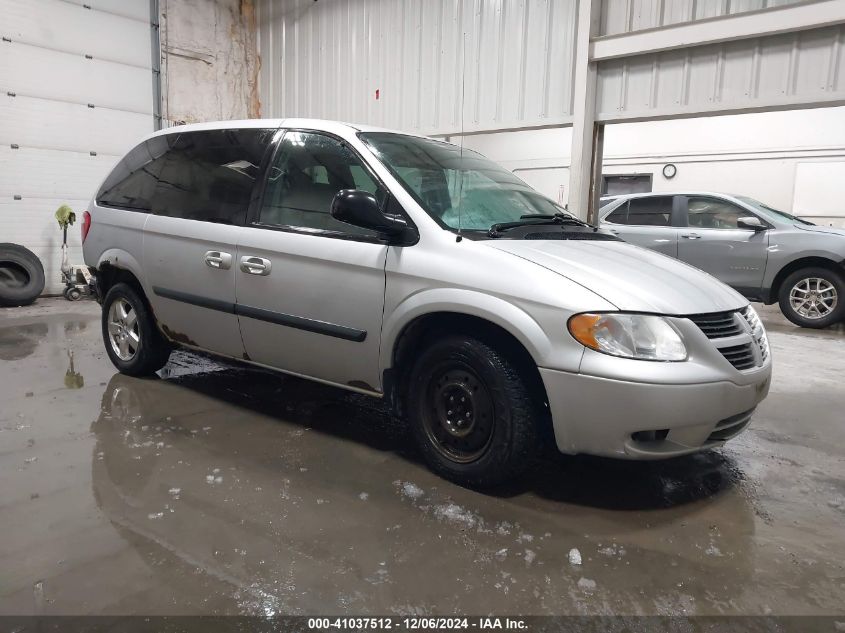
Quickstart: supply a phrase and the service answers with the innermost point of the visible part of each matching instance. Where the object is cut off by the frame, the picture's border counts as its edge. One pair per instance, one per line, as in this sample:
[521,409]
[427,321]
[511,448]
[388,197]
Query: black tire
[502,424]
[21,275]
[148,351]
[835,288]
[73,294]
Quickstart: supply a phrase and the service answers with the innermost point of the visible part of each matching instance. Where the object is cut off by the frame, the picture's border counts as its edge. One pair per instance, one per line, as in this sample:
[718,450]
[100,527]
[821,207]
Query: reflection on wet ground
[221,490]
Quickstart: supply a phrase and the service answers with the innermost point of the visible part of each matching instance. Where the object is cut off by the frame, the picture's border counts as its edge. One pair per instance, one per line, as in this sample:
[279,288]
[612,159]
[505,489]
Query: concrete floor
[220,491]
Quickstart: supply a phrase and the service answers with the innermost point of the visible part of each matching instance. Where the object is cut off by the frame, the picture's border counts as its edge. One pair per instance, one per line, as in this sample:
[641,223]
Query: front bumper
[624,419]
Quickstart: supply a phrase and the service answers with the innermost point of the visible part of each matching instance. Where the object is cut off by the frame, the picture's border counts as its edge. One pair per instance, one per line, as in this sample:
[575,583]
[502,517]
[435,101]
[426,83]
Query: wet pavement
[218,490]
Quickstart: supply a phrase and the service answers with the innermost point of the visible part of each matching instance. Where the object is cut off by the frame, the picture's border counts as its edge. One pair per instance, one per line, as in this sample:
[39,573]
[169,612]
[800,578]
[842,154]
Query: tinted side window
[655,211]
[620,216]
[309,169]
[210,175]
[131,184]
[712,213]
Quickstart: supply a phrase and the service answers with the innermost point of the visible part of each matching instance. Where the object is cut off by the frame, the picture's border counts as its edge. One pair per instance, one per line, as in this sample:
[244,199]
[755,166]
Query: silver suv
[411,270]
[765,254]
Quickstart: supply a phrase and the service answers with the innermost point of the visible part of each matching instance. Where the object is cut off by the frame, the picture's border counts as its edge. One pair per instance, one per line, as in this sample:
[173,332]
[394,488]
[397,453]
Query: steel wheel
[459,417]
[124,333]
[813,298]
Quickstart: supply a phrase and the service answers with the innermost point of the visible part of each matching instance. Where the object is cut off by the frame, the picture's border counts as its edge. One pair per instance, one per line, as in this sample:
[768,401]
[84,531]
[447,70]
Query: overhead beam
[785,19]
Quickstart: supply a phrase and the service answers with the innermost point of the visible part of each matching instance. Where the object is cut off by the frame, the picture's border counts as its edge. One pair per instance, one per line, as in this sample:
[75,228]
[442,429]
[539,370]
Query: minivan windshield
[775,214]
[459,187]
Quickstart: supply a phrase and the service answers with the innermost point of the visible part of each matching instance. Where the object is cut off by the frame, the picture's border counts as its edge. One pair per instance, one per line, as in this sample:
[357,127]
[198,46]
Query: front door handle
[255,265]
[218,259]
[691,236]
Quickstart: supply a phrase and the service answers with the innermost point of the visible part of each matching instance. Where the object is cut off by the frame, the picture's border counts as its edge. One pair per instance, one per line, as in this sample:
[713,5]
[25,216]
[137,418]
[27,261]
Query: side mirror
[751,222]
[360,208]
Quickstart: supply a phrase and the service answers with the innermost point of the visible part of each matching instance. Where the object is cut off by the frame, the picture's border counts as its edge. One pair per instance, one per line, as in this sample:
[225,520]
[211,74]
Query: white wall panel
[46,68]
[33,225]
[133,9]
[70,28]
[40,123]
[627,16]
[819,190]
[327,60]
[39,72]
[45,179]
[804,68]
[43,173]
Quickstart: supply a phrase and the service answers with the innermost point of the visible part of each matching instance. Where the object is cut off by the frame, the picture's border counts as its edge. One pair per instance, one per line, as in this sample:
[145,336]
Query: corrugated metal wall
[328,60]
[803,68]
[626,16]
[76,92]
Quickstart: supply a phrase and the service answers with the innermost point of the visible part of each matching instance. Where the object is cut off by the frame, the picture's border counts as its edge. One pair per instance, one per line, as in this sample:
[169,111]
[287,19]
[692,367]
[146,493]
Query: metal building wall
[792,70]
[329,59]
[627,16]
[76,91]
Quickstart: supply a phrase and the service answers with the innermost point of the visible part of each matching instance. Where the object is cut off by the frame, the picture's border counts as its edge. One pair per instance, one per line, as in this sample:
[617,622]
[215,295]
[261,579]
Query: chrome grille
[717,325]
[758,333]
[738,335]
[740,356]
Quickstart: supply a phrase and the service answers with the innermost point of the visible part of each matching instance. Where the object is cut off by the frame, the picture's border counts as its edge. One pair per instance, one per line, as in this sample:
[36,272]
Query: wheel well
[798,264]
[415,335]
[108,276]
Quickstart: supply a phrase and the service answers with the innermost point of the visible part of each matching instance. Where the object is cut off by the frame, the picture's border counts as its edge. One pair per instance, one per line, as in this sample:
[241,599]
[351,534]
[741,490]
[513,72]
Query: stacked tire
[21,275]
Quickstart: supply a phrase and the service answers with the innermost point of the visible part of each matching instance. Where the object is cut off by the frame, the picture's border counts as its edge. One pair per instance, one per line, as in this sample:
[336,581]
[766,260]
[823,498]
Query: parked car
[765,254]
[412,270]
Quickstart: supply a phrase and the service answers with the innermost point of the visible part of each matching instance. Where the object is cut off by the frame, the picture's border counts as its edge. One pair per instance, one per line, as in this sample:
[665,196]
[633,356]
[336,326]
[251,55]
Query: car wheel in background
[21,275]
[132,340]
[471,413]
[813,297]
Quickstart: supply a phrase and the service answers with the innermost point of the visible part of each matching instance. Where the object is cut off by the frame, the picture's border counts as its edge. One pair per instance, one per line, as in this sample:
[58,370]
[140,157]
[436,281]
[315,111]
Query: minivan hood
[630,277]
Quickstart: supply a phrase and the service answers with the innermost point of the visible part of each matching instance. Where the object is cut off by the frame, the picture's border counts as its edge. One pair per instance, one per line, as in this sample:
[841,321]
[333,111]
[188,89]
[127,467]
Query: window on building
[625,184]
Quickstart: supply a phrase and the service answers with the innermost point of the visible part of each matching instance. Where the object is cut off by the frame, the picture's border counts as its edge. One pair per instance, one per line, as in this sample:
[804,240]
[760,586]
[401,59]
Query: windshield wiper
[538,219]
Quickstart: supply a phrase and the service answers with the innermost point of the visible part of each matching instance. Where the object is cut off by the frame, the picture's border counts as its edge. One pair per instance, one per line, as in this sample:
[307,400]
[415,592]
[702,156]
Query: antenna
[461,160]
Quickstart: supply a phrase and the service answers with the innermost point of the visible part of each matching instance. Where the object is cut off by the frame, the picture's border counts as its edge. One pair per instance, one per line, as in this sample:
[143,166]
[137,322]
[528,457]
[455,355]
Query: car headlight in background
[638,336]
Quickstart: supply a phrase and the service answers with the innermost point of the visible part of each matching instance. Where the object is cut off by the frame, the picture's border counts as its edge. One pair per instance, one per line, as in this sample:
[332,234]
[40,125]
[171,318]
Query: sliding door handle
[218,259]
[255,265]
[691,236]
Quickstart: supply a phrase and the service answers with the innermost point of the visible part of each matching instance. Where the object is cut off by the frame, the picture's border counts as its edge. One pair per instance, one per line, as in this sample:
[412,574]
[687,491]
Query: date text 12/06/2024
[416,623]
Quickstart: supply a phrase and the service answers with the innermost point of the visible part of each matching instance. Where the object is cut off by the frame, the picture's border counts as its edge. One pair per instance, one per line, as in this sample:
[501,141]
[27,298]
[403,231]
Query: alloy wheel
[813,298]
[124,333]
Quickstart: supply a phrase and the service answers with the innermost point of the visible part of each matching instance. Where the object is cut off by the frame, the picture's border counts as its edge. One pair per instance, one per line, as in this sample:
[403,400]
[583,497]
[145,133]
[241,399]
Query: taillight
[86,224]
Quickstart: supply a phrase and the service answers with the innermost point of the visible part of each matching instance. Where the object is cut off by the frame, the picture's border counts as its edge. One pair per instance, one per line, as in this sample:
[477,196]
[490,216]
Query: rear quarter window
[132,183]
[203,175]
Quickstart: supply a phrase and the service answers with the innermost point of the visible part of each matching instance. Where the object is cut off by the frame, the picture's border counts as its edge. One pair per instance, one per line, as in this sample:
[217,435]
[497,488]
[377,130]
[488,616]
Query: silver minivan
[418,272]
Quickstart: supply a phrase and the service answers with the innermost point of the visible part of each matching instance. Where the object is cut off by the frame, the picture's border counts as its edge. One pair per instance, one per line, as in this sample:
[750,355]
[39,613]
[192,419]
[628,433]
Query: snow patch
[454,513]
[409,489]
[587,584]
[575,558]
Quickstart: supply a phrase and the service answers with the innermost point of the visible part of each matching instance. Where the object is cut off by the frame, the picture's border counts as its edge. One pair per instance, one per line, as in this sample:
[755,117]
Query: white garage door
[76,91]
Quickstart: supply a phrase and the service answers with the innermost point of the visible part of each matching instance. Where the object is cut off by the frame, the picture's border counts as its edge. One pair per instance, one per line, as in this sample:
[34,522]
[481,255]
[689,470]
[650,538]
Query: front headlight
[639,336]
